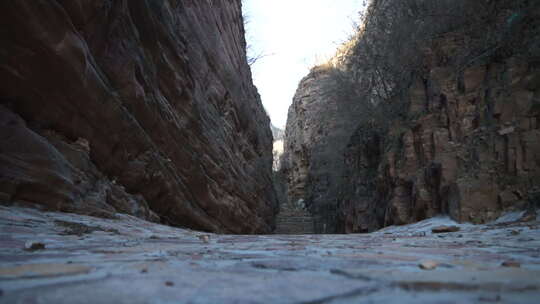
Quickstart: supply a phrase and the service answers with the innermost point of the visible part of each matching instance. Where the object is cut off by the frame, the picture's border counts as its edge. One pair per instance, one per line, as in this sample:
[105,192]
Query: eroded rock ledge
[140,107]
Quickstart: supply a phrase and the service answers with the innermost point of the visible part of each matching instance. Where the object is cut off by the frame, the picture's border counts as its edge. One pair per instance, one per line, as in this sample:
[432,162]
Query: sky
[293,36]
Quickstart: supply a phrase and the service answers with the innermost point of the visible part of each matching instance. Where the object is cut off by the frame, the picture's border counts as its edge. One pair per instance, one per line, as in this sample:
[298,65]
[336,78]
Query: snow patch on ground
[509,217]
[428,224]
[424,226]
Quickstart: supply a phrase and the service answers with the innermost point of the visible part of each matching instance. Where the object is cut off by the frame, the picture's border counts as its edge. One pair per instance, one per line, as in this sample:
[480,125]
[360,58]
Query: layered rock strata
[141,107]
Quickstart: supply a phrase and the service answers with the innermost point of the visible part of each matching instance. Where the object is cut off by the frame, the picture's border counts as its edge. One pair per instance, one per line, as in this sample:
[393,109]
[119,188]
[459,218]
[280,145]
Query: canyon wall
[141,107]
[319,124]
[439,115]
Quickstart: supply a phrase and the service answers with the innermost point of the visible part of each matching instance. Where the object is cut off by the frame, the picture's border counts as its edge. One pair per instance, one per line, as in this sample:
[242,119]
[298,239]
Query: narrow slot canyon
[145,156]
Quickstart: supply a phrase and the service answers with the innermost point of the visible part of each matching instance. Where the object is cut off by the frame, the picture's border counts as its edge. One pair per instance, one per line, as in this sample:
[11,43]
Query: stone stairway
[294,221]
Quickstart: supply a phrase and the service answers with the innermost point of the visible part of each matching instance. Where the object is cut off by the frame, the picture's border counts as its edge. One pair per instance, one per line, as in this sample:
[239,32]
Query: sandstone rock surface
[140,107]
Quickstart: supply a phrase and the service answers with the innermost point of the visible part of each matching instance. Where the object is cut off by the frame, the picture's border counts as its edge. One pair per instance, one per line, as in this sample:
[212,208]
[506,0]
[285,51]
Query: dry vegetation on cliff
[397,41]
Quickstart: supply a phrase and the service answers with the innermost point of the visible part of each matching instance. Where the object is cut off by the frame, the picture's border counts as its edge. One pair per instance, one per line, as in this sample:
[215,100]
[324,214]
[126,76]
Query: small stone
[169,283]
[511,263]
[33,246]
[444,229]
[428,265]
[205,238]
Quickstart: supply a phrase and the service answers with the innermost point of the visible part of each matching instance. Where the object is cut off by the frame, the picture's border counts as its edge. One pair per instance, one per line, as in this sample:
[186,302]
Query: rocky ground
[66,258]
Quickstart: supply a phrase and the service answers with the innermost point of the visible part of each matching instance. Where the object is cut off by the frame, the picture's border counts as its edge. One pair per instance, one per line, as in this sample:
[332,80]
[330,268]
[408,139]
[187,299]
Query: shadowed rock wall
[143,107]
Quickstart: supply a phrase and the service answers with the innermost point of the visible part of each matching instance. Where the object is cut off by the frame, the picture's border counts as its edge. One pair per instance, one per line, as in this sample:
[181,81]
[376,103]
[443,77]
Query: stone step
[290,221]
[295,217]
[294,214]
[294,230]
[283,221]
[297,213]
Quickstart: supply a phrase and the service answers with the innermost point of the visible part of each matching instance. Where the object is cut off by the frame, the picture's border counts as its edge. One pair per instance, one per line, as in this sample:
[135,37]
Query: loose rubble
[31,246]
[428,265]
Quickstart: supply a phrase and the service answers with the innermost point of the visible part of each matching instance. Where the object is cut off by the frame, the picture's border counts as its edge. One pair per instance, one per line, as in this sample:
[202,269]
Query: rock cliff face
[471,154]
[319,125]
[453,138]
[142,107]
